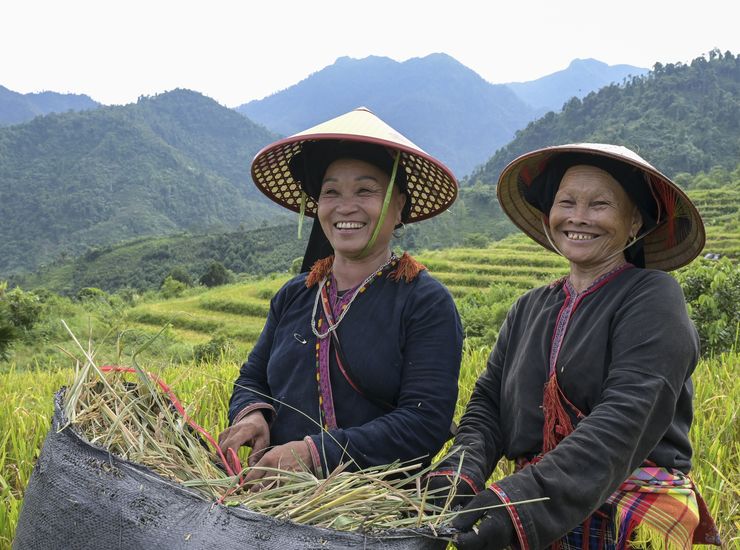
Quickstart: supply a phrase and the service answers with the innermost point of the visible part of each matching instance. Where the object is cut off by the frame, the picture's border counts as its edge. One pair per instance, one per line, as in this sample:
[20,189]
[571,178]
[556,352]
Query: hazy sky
[236,51]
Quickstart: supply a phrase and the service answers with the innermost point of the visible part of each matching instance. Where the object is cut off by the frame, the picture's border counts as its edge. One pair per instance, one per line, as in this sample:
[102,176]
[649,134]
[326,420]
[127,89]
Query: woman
[359,358]
[588,387]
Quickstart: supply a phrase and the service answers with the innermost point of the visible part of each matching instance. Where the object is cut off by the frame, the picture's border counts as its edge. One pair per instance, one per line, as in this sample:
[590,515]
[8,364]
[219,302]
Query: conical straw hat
[672,244]
[431,186]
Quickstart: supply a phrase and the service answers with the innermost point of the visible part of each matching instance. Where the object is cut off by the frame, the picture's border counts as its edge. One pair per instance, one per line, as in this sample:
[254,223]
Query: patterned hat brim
[431,186]
[664,249]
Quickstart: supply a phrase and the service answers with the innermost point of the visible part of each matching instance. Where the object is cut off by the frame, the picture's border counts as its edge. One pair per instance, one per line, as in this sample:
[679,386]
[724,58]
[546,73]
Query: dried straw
[137,421]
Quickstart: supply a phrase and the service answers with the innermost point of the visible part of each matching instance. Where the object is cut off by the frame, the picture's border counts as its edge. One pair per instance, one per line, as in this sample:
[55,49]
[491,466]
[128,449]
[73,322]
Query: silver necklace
[332,327]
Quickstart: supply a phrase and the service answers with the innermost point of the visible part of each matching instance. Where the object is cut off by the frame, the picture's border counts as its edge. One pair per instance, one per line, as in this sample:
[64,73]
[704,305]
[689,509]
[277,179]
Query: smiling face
[349,207]
[592,218]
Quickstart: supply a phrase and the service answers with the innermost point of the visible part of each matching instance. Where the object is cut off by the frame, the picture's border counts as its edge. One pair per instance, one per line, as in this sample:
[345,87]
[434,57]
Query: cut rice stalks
[142,421]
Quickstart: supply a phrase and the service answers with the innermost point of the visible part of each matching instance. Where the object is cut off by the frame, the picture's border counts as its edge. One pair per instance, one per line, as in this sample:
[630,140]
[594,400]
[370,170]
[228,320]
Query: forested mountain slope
[681,118]
[170,163]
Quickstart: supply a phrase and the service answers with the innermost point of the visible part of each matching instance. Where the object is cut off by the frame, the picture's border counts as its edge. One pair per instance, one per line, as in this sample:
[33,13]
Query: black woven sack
[82,497]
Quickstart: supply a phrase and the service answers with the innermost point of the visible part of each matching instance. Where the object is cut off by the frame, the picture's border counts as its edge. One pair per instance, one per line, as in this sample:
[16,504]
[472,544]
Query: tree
[8,330]
[215,275]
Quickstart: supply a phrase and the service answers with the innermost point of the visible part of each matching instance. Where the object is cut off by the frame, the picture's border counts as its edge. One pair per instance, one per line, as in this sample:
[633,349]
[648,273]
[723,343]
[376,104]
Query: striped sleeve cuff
[315,458]
[513,515]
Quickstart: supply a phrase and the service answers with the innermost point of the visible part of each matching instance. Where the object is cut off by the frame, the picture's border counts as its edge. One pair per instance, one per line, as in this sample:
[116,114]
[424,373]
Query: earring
[400,231]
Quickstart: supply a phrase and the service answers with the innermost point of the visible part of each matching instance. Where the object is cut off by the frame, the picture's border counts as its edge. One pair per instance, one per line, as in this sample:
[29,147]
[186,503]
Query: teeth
[349,225]
[579,236]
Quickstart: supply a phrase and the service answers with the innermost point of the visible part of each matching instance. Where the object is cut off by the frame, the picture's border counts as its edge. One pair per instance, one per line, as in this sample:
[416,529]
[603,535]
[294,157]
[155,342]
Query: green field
[237,312]
[26,406]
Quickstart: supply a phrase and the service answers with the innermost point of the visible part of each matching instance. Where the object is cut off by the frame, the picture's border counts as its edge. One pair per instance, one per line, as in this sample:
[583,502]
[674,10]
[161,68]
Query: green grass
[26,407]
[238,312]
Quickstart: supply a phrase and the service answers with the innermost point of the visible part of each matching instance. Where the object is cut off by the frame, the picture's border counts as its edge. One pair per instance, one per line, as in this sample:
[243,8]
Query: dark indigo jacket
[403,342]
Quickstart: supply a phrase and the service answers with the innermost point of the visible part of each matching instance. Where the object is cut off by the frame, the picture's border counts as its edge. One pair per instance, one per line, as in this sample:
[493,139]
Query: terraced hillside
[238,311]
[720,209]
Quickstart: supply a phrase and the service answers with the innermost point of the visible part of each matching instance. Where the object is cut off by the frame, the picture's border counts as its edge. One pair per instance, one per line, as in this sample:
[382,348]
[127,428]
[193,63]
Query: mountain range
[16,108]
[439,103]
[178,162]
[447,108]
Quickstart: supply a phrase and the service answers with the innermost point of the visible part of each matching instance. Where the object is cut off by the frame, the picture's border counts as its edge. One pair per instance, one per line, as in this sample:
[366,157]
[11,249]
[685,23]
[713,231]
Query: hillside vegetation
[680,118]
[170,163]
[16,108]
[473,222]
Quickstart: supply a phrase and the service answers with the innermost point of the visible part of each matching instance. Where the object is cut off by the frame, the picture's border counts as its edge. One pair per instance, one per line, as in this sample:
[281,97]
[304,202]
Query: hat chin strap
[386,201]
[546,229]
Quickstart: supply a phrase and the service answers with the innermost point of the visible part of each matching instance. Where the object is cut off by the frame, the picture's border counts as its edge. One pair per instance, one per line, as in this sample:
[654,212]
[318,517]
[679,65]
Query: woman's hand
[495,530]
[293,456]
[441,491]
[252,430]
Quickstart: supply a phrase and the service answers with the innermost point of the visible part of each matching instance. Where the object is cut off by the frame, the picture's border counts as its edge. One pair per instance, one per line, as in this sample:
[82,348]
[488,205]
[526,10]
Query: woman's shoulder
[423,283]
[646,280]
[292,287]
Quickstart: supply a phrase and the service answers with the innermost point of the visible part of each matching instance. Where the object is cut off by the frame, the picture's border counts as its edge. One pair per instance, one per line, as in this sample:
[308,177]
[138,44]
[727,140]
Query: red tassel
[319,270]
[557,422]
[408,269]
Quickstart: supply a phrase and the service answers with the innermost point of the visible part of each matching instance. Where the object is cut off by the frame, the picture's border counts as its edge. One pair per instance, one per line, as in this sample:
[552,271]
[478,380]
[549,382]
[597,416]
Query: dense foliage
[144,264]
[475,220]
[174,162]
[19,312]
[712,290]
[681,118]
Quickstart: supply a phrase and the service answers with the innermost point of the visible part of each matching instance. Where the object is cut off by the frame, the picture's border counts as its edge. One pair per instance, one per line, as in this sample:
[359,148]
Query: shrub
[8,331]
[212,350]
[25,308]
[92,294]
[475,240]
[19,312]
[483,311]
[215,275]
[171,288]
[180,274]
[712,291]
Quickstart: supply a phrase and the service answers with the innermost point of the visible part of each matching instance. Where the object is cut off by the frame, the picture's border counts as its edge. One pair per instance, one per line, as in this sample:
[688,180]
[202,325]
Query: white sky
[235,51]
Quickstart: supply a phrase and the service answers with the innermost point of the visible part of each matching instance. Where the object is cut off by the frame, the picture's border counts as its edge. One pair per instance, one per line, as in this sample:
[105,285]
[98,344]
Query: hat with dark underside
[282,170]
[672,233]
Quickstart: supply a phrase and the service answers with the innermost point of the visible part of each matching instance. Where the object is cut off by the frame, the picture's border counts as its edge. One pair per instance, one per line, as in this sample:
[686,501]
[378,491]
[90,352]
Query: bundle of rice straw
[136,416]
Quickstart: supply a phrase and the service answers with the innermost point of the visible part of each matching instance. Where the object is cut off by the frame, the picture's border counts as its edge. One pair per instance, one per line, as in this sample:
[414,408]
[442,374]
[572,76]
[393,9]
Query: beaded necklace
[334,306]
[326,282]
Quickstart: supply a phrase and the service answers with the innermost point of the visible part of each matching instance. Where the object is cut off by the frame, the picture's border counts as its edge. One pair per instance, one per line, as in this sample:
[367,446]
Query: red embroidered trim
[557,424]
[315,458]
[319,270]
[408,269]
[453,473]
[514,515]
